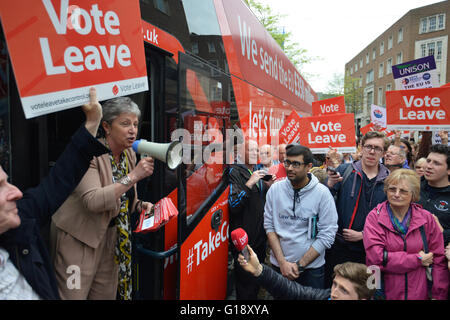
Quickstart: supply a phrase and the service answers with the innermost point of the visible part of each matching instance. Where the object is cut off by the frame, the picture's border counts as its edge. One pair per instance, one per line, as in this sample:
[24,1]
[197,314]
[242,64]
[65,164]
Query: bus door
[159,117]
[204,99]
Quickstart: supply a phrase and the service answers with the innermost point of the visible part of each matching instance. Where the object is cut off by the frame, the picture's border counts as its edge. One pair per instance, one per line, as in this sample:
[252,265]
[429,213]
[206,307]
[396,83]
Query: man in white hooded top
[300,220]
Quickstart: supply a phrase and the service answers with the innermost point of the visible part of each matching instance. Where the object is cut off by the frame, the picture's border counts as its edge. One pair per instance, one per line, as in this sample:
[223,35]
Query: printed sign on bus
[420,109]
[321,132]
[58,50]
[290,131]
[328,106]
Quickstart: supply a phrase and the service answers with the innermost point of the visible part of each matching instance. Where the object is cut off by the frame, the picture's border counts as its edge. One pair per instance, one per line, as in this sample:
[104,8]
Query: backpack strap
[347,173]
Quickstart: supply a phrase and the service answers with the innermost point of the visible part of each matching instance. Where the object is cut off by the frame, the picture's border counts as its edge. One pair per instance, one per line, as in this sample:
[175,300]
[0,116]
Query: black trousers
[341,252]
[246,286]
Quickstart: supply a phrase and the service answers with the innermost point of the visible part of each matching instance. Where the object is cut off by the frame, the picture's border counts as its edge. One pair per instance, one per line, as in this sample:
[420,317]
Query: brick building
[421,32]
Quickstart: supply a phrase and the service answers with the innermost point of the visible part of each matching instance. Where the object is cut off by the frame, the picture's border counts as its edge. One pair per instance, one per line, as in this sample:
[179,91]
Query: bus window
[205,103]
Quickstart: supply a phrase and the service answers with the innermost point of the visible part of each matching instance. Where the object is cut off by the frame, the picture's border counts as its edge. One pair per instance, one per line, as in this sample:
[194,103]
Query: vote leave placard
[321,132]
[60,49]
[290,131]
[420,109]
[328,106]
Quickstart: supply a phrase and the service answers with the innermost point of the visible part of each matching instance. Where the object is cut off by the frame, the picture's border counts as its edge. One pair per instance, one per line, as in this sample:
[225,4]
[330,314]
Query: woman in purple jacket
[393,241]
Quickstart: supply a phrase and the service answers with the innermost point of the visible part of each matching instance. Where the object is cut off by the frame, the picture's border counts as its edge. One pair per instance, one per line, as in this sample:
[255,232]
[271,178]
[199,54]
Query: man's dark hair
[442,149]
[293,150]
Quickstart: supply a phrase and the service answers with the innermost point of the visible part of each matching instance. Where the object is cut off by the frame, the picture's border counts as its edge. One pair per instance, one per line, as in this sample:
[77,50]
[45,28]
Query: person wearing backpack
[357,188]
[405,242]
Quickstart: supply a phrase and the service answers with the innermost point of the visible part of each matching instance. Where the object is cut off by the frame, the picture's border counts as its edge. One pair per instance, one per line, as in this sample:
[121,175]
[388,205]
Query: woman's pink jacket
[404,275]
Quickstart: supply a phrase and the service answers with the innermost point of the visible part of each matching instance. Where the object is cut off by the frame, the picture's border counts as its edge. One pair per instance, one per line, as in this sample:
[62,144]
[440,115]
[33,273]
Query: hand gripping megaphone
[170,153]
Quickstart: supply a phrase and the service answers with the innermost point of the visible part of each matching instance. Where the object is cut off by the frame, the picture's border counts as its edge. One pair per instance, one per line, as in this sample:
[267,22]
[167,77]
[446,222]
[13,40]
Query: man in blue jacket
[26,271]
[358,188]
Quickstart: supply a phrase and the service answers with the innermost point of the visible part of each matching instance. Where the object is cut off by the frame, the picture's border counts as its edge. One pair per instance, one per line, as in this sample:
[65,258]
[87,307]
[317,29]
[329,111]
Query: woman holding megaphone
[91,231]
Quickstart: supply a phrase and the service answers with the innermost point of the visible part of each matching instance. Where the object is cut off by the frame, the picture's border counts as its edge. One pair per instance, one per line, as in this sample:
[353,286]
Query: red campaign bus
[211,66]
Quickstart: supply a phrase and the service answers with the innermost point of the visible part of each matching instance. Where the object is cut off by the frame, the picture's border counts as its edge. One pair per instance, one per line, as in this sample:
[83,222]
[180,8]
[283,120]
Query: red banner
[59,50]
[321,132]
[420,109]
[328,106]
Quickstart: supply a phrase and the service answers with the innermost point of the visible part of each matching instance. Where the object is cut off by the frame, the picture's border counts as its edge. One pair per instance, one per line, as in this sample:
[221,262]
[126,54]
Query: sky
[336,31]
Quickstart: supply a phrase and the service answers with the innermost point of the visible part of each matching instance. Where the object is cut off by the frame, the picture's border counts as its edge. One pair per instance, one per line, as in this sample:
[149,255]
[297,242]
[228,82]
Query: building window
[431,48]
[438,55]
[369,98]
[399,58]
[369,76]
[195,47]
[374,54]
[441,21]
[360,63]
[367,58]
[423,50]
[381,48]
[389,66]
[432,23]
[400,35]
[380,96]
[211,47]
[381,70]
[390,41]
[162,5]
[423,25]
[388,87]
[351,70]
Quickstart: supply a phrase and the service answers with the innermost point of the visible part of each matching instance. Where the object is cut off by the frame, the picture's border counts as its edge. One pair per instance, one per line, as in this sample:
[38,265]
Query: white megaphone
[170,153]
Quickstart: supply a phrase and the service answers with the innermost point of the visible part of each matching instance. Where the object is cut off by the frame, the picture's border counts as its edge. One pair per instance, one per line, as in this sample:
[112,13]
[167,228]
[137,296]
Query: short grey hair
[114,107]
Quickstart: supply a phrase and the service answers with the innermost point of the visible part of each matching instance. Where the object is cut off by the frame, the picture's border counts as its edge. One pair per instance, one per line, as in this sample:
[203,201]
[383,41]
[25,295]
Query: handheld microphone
[240,240]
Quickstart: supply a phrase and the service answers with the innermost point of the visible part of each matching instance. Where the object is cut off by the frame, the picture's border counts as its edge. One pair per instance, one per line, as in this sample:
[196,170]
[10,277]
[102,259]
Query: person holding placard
[92,229]
[25,268]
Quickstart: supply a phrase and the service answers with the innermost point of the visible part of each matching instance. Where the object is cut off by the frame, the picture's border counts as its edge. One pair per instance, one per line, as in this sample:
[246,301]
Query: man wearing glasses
[395,158]
[300,220]
[355,197]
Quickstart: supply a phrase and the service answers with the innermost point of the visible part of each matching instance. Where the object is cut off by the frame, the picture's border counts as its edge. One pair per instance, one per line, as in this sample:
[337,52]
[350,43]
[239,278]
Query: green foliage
[272,22]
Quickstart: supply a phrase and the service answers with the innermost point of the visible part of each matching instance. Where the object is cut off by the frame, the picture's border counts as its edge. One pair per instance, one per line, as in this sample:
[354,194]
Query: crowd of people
[331,222]
[327,226]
